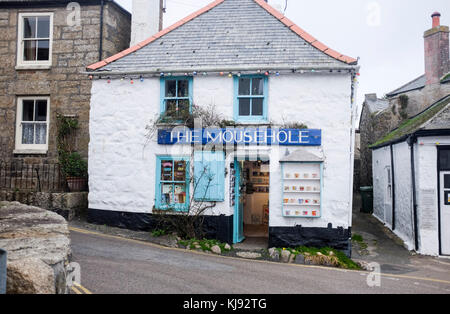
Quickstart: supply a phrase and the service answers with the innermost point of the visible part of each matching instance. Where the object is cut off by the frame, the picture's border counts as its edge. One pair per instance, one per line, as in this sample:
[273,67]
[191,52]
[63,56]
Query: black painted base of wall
[215,227]
[221,228]
[337,238]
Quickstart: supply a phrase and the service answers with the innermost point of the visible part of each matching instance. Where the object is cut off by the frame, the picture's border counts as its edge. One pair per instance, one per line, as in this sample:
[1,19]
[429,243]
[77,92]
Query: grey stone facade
[74,47]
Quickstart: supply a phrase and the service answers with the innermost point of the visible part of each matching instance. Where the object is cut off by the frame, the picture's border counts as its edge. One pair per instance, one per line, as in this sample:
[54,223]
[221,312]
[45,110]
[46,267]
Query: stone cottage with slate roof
[278,162]
[43,52]
[380,116]
[411,167]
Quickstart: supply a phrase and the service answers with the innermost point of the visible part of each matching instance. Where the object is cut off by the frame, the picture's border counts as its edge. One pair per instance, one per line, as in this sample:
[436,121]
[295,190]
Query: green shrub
[72,165]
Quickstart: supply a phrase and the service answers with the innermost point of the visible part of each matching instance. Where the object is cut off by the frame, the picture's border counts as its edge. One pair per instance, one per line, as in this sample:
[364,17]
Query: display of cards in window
[180,171]
[166,170]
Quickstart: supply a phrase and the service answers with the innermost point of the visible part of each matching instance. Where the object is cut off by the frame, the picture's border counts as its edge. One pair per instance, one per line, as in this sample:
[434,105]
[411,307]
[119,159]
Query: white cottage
[411,169]
[283,166]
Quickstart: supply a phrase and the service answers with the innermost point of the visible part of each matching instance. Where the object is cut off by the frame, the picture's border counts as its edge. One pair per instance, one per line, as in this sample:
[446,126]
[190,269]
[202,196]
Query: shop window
[35,34]
[209,175]
[250,99]
[172,186]
[32,123]
[176,96]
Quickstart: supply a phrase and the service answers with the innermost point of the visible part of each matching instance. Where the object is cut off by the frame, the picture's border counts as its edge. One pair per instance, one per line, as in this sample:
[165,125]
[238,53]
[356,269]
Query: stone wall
[67,205]
[375,125]
[74,47]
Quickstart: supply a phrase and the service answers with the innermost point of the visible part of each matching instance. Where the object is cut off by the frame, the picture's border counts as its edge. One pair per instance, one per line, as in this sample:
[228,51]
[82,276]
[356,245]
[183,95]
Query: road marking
[86,291]
[363,273]
[75,290]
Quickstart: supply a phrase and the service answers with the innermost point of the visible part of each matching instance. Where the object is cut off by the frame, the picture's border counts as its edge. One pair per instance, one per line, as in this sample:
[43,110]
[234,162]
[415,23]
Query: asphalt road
[120,266]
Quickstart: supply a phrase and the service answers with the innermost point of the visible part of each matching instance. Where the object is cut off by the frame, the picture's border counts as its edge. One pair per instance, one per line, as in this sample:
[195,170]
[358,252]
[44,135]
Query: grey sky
[390,45]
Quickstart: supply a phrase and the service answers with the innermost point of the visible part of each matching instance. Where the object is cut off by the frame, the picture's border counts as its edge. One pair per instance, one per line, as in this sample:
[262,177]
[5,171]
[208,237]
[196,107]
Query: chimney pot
[436,19]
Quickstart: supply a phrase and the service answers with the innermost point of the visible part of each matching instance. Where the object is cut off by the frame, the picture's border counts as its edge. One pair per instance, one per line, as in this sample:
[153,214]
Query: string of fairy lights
[141,77]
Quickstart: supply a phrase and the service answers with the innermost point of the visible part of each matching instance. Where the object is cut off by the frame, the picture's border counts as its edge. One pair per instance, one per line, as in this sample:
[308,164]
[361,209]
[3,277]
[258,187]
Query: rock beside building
[38,248]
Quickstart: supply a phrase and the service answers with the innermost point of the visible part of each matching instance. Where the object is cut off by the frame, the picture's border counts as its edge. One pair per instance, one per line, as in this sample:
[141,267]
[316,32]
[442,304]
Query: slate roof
[435,117]
[417,83]
[229,34]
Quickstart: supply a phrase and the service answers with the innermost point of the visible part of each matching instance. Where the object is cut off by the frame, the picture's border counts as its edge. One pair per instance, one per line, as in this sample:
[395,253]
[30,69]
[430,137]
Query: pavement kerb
[362,272]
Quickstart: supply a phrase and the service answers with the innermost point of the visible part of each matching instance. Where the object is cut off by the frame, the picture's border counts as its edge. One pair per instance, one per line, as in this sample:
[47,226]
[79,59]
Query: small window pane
[244,86]
[166,194]
[41,134]
[180,193]
[29,27]
[444,159]
[183,88]
[244,107]
[166,170]
[171,88]
[43,29]
[257,107]
[180,171]
[28,108]
[29,50]
[447,181]
[28,133]
[171,107]
[183,106]
[43,50]
[257,86]
[41,110]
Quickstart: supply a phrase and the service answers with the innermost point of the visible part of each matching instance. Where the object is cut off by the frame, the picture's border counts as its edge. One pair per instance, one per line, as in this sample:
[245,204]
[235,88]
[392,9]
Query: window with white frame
[35,32]
[32,123]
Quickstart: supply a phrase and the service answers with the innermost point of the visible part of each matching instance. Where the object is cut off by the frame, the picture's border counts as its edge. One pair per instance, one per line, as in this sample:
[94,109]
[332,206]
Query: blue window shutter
[209,172]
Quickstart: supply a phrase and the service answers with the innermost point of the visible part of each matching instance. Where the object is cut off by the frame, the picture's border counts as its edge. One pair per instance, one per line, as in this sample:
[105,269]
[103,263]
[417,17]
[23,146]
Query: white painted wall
[122,170]
[145,20]
[426,185]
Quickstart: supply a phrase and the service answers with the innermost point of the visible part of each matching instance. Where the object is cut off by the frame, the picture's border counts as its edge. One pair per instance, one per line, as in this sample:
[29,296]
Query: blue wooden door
[238,234]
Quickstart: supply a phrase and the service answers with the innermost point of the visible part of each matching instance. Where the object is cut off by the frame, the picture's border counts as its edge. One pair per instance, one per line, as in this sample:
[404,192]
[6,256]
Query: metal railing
[19,176]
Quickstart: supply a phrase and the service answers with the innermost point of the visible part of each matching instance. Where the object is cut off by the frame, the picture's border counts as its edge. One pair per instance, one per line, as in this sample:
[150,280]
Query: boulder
[274,254]
[216,249]
[34,236]
[285,256]
[30,276]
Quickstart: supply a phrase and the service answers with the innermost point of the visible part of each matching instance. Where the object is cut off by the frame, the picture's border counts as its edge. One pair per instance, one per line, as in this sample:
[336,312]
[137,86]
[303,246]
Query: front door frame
[439,171]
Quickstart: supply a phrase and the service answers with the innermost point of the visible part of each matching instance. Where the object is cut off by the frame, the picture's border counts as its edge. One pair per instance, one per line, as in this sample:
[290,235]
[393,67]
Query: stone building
[44,48]
[380,116]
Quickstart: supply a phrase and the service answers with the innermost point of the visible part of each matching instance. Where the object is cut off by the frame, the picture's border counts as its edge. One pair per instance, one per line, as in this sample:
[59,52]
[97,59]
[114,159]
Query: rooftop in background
[435,117]
[227,33]
[49,3]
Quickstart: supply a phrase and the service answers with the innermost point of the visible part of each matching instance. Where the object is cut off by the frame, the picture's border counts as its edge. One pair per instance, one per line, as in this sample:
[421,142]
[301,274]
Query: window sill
[33,67]
[30,152]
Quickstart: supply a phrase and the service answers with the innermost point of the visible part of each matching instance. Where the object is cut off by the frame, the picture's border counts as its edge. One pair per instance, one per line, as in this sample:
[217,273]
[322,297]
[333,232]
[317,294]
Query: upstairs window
[176,97]
[251,98]
[32,124]
[35,39]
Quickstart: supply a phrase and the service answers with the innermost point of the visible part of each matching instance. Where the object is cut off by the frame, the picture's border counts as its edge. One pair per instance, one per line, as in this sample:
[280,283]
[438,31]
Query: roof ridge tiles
[278,15]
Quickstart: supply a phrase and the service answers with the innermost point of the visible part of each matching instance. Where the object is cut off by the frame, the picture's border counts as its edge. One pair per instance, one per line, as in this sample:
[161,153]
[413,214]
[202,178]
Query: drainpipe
[411,140]
[100,48]
[393,186]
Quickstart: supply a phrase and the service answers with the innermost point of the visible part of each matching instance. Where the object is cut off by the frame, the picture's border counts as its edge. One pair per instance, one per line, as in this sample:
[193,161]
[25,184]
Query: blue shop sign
[241,136]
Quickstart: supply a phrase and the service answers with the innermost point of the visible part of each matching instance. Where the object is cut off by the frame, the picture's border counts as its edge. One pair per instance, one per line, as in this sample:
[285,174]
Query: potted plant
[75,169]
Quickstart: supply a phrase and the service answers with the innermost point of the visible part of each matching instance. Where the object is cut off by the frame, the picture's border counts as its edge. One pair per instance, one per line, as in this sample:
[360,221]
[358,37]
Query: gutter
[100,49]
[226,69]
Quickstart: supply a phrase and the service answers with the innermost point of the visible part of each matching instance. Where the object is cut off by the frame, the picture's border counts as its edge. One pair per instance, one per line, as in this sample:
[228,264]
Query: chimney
[436,51]
[146,19]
